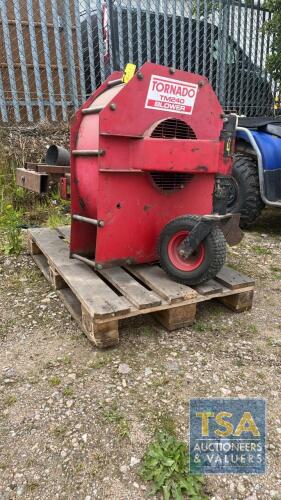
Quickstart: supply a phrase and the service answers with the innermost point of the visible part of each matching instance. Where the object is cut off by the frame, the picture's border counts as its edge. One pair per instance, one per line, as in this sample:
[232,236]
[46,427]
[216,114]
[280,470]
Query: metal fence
[54,53]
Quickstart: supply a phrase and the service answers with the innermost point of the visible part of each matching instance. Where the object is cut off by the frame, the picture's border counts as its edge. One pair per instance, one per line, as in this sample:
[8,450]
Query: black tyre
[245,190]
[203,264]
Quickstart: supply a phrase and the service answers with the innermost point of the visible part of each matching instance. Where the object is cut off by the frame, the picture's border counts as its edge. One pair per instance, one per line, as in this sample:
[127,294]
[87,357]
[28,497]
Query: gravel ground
[76,421]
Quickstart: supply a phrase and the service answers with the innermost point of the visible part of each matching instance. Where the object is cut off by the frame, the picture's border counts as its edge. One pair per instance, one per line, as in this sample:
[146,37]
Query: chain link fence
[54,53]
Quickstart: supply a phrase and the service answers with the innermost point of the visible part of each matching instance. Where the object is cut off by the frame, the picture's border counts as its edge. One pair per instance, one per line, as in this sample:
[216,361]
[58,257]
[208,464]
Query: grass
[59,431]
[68,391]
[10,224]
[10,400]
[165,465]
[253,328]
[199,326]
[113,416]
[54,381]
[259,250]
[66,360]
[56,219]
[100,362]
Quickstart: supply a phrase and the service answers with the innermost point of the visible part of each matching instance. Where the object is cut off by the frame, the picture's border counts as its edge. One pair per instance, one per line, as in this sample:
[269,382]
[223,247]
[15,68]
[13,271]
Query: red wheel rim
[192,262]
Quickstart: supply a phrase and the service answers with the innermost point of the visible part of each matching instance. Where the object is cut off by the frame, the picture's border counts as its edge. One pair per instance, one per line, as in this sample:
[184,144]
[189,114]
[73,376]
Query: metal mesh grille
[54,53]
[169,181]
[173,129]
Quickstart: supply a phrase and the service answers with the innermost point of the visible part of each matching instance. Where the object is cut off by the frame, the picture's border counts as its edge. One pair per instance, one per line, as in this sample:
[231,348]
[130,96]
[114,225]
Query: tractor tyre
[245,191]
[205,262]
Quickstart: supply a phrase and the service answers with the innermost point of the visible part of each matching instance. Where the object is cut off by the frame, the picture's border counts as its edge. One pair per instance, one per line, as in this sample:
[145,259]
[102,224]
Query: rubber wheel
[245,191]
[203,264]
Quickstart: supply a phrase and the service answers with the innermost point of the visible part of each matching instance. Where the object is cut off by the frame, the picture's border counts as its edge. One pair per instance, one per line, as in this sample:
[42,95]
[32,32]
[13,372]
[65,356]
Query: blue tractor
[256,174]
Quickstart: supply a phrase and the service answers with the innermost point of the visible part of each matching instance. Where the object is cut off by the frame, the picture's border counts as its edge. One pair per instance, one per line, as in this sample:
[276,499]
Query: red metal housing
[142,154]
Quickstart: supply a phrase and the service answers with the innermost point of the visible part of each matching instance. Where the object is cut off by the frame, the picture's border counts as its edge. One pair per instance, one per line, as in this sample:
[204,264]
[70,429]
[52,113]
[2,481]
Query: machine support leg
[240,302]
[176,317]
[102,334]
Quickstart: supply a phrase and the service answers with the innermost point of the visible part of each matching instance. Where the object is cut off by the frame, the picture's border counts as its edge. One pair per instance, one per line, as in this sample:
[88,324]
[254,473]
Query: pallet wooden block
[98,300]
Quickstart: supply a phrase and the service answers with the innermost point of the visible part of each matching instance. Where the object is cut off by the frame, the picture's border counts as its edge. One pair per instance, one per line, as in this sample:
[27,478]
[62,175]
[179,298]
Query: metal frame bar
[44,31]
[59,58]
[100,39]
[9,58]
[3,105]
[21,50]
[90,44]
[70,53]
[120,35]
[35,59]
[80,50]
[139,31]
[148,31]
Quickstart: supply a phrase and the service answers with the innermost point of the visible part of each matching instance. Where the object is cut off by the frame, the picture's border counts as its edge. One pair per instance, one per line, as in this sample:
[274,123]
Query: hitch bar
[229,224]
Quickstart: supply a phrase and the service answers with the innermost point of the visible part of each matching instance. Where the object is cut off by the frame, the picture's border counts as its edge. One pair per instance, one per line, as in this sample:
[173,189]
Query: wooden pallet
[98,300]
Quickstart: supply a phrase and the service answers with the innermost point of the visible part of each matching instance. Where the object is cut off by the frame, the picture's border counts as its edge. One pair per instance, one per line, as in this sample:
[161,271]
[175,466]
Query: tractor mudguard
[267,148]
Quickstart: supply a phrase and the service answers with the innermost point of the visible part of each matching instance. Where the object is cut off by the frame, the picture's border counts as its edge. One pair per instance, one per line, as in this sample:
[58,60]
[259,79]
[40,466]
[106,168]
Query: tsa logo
[227,436]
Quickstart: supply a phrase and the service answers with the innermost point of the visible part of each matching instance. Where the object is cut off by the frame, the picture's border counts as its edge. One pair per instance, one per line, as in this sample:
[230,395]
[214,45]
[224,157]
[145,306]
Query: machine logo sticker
[171,95]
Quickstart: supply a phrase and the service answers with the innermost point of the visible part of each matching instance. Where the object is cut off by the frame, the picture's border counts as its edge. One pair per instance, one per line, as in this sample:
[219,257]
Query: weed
[32,485]
[165,465]
[160,382]
[100,362]
[166,424]
[200,326]
[261,250]
[253,328]
[54,381]
[59,431]
[275,269]
[112,415]
[68,391]
[10,400]
[239,363]
[66,360]
[10,220]
[79,467]
[56,219]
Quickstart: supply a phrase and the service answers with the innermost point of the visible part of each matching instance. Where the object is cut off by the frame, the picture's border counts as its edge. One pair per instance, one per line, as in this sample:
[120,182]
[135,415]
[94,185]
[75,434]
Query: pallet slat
[130,288]
[233,279]
[65,232]
[159,282]
[208,288]
[94,294]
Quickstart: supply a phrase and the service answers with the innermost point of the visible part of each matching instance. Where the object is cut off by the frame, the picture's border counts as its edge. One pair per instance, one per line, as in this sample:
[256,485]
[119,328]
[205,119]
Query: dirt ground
[74,425]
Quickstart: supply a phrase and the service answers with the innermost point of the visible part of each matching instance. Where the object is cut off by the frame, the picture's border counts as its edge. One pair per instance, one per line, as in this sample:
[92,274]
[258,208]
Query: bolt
[99,266]
[181,252]
[128,261]
[139,75]
[112,106]
[201,83]
[225,120]
[172,70]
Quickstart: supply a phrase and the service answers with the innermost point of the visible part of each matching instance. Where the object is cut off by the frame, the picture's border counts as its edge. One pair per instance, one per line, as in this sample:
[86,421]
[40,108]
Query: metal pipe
[84,259]
[56,155]
[81,218]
